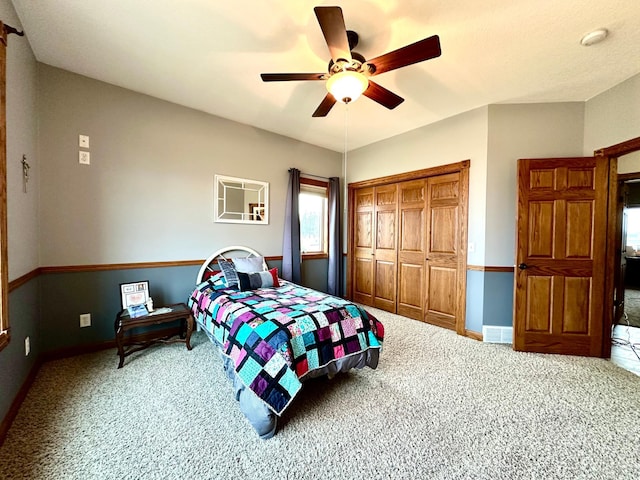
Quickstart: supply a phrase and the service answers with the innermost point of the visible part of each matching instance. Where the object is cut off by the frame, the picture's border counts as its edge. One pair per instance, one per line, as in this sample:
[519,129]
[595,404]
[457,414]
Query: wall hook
[25,173]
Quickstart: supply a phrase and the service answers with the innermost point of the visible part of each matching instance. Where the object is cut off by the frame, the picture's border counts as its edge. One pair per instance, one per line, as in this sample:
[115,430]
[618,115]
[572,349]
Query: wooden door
[411,248]
[443,251]
[362,246]
[385,247]
[560,255]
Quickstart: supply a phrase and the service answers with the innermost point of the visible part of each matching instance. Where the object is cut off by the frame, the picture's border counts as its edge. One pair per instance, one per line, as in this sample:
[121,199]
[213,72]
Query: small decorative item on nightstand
[136,293]
[136,311]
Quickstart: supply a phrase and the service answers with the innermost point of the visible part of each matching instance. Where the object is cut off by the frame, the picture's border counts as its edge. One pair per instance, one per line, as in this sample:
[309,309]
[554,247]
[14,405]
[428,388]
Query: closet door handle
[523,266]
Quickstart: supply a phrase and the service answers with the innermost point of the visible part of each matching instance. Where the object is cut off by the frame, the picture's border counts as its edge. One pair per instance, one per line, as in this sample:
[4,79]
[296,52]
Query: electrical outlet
[27,347]
[85,320]
[472,247]
[84,157]
[83,141]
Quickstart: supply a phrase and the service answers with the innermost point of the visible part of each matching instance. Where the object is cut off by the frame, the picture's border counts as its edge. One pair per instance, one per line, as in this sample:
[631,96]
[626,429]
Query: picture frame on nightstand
[136,293]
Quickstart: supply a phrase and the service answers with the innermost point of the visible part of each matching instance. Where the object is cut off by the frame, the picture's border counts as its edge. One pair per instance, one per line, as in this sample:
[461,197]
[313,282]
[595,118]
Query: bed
[273,334]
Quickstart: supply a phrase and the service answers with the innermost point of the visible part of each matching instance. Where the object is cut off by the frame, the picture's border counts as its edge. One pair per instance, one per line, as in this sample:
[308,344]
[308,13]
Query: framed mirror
[239,200]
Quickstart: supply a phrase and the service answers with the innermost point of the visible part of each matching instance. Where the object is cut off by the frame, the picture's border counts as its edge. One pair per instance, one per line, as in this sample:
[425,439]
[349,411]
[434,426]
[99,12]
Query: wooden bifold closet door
[411,249]
[443,250]
[385,247]
[406,248]
[361,246]
[374,247]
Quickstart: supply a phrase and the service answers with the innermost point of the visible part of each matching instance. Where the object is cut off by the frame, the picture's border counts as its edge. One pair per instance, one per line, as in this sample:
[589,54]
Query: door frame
[613,235]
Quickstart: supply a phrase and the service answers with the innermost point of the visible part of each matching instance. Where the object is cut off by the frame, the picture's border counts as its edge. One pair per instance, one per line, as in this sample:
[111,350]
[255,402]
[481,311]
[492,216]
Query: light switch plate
[83,141]
[85,320]
[84,157]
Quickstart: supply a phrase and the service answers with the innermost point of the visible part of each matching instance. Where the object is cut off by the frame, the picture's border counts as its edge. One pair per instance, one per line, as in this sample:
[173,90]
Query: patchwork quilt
[276,336]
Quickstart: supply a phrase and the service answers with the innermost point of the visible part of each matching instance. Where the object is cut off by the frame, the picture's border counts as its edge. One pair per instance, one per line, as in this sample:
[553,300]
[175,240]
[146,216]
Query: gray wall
[613,116]
[147,196]
[522,131]
[463,137]
[148,193]
[629,163]
[22,212]
[517,131]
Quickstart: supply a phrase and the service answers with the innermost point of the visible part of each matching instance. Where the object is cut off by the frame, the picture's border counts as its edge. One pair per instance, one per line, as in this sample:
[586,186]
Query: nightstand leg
[189,331]
[119,334]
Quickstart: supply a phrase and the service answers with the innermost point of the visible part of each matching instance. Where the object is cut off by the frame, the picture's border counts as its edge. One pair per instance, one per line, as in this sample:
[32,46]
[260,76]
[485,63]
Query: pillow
[229,272]
[216,279]
[253,281]
[249,264]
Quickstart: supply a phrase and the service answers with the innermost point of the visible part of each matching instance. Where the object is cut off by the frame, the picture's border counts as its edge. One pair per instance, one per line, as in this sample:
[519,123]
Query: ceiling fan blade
[408,55]
[335,33]
[325,106]
[284,77]
[384,97]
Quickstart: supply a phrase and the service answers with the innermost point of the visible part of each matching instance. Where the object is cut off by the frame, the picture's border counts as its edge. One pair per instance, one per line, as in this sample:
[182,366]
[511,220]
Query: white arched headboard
[226,253]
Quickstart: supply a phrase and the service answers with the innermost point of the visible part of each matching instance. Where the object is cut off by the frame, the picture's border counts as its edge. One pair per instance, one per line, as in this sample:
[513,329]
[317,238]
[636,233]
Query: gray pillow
[253,281]
[229,272]
[249,264]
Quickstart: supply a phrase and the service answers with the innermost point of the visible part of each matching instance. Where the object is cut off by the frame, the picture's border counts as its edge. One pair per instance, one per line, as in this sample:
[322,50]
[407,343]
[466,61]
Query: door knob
[523,266]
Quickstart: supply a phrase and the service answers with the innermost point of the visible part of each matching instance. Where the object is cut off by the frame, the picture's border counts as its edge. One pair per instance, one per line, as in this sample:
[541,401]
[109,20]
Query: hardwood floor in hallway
[625,348]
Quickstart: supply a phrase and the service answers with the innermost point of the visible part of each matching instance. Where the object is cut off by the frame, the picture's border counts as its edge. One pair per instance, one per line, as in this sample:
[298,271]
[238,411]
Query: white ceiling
[208,55]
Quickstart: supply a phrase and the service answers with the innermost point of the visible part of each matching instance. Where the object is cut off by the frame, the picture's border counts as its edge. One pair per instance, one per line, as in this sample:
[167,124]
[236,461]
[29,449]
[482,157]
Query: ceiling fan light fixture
[347,86]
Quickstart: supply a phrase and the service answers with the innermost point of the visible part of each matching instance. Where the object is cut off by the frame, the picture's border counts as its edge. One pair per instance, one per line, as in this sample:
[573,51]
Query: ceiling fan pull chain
[344,162]
[346,131]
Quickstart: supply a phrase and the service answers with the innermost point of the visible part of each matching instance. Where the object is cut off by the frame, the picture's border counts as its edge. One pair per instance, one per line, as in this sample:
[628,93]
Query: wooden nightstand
[123,322]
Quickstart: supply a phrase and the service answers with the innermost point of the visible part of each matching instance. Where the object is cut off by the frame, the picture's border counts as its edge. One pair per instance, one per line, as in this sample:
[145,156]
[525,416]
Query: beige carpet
[440,406]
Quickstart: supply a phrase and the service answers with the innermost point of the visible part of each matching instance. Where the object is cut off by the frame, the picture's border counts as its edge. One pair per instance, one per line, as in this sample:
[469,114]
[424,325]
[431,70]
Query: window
[633,228]
[312,205]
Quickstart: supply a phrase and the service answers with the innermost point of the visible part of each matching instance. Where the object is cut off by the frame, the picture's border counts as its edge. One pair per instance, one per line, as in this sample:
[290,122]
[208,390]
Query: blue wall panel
[65,296]
[475,300]
[498,299]
[24,309]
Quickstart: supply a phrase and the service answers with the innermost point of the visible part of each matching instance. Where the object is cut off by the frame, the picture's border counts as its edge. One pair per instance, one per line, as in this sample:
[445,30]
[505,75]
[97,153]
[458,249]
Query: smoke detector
[594,37]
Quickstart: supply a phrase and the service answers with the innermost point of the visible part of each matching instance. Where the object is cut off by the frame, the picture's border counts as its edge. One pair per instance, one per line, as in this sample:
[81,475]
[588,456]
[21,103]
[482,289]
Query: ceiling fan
[349,73]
